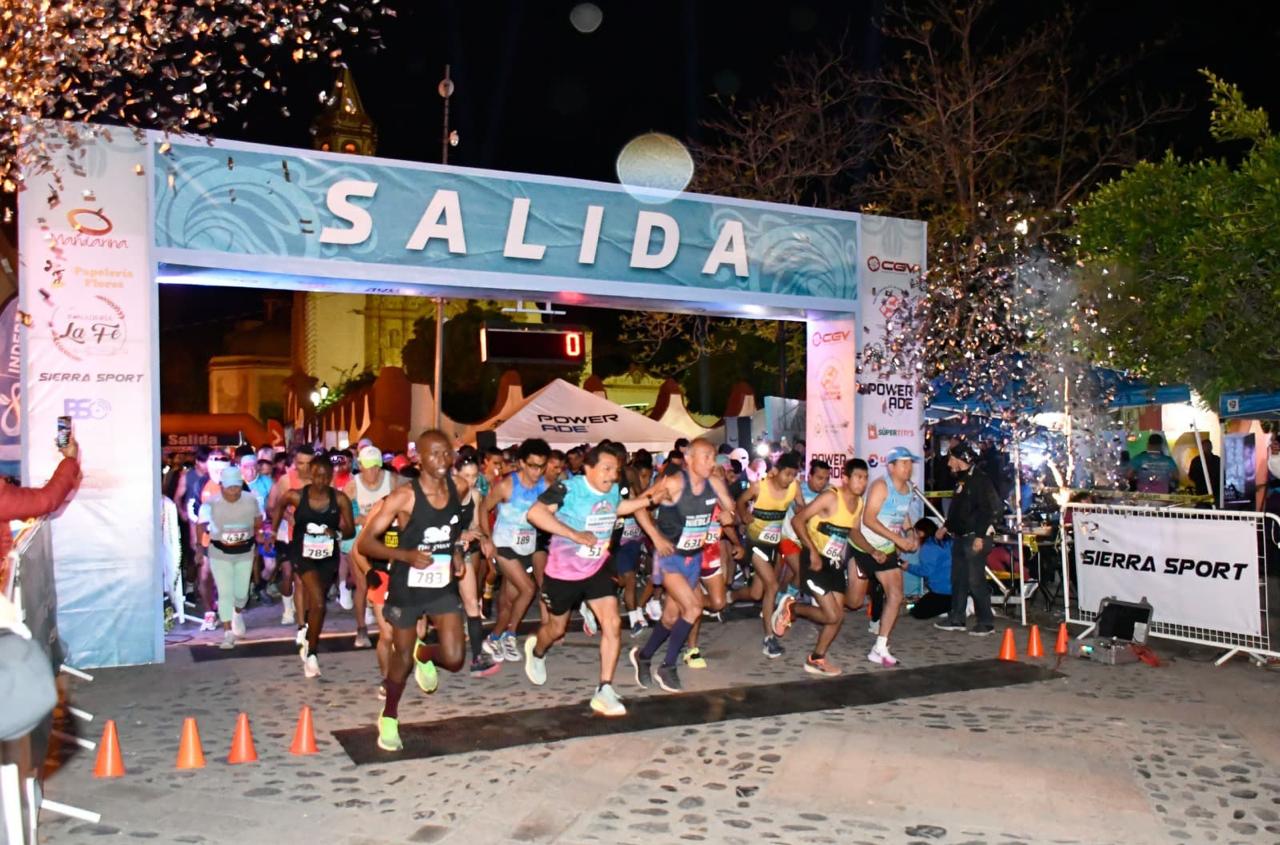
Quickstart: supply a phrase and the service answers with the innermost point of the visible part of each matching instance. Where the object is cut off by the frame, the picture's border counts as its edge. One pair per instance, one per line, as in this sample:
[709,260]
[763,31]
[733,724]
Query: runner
[482,665]
[322,516]
[295,477]
[425,568]
[189,497]
[342,476]
[513,543]
[711,575]
[763,507]
[794,552]
[637,477]
[232,521]
[679,534]
[580,514]
[886,523]
[371,484]
[825,526]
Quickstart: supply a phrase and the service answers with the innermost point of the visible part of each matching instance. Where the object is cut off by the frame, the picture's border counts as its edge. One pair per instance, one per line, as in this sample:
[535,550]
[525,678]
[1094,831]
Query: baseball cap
[399,462]
[370,456]
[962,452]
[231,477]
[900,453]
[741,456]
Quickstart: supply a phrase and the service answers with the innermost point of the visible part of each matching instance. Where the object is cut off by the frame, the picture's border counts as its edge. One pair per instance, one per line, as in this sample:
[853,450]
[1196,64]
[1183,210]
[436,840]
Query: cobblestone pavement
[1182,753]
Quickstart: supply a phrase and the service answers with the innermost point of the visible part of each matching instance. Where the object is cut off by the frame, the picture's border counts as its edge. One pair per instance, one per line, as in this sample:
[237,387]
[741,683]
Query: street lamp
[320,394]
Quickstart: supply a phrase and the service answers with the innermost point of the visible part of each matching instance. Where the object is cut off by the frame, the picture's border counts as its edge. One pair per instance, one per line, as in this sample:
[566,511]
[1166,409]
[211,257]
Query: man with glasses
[512,543]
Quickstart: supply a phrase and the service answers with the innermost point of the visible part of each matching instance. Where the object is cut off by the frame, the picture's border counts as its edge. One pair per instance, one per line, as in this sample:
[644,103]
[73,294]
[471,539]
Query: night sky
[535,95]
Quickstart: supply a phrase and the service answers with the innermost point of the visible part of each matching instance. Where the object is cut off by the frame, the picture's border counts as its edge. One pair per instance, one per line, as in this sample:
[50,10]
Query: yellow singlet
[769,512]
[830,534]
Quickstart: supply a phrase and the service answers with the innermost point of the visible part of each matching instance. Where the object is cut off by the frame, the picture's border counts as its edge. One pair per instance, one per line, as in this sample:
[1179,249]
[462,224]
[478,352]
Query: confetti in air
[152,64]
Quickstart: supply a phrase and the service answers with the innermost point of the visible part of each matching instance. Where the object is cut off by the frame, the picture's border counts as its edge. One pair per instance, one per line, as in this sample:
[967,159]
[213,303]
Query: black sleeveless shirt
[689,516]
[430,529]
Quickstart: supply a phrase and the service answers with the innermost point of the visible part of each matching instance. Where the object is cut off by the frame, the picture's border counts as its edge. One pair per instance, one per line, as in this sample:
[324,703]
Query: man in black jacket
[975,513]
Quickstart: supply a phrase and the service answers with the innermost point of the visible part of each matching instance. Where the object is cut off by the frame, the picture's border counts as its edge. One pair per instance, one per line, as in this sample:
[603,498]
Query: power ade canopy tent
[566,416]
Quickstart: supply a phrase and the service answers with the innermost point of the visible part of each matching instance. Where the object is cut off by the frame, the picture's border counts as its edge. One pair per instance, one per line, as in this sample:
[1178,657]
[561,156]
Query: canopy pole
[436,381]
[1017,522]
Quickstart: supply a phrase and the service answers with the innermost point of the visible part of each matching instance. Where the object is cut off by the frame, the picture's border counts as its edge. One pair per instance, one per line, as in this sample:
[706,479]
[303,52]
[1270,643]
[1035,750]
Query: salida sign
[563,424]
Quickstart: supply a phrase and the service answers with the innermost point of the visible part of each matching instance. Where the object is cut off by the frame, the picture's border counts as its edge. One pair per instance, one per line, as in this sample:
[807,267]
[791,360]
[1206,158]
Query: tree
[1186,257]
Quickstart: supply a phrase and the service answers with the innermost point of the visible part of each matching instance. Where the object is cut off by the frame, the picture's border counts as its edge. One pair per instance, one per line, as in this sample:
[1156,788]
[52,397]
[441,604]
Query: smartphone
[64,432]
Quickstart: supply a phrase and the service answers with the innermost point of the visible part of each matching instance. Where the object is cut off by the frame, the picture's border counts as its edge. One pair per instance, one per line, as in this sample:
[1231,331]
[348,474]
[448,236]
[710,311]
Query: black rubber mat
[492,731]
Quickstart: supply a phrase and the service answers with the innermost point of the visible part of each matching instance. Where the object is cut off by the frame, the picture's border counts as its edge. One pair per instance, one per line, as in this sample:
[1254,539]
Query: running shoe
[982,631]
[369,618]
[237,623]
[644,677]
[607,702]
[653,609]
[948,625]
[389,734]
[300,638]
[483,665]
[590,626]
[362,640]
[535,668]
[210,622]
[492,646]
[424,672]
[638,627]
[739,582]
[783,616]
[693,658]
[873,626]
[345,600]
[668,678]
[228,640]
[820,666]
[286,616]
[510,648]
[772,648]
[311,666]
[882,658]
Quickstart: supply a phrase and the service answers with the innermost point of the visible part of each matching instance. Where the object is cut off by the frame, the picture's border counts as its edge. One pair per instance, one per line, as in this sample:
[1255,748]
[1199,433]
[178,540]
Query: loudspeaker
[486,440]
[1123,620]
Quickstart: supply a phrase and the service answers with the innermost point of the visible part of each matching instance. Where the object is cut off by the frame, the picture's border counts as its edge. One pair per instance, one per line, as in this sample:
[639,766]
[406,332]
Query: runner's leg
[606,611]
[448,650]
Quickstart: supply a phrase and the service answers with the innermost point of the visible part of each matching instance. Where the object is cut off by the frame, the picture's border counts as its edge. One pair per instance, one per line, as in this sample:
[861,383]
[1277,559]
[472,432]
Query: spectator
[975,514]
[933,564]
[1206,460]
[1153,471]
[31,502]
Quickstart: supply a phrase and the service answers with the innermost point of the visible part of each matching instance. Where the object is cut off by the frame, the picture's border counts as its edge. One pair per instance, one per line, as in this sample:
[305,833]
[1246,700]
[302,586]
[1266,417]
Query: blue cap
[231,477]
[901,453]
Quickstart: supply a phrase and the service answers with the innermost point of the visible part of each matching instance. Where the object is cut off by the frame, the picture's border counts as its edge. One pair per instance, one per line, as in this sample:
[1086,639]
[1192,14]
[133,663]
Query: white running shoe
[882,658]
[228,640]
[210,622]
[873,625]
[653,609]
[300,638]
[344,597]
[607,702]
[237,623]
[590,626]
[535,667]
[510,648]
[311,666]
[286,617]
[494,649]
[369,619]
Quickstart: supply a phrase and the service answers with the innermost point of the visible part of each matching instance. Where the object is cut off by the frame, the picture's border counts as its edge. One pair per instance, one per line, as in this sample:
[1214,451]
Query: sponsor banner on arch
[1201,573]
[892,256]
[88,353]
[829,409]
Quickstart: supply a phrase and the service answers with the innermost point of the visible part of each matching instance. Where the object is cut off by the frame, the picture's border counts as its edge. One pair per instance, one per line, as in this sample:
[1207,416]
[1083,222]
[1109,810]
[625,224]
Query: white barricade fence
[1203,571]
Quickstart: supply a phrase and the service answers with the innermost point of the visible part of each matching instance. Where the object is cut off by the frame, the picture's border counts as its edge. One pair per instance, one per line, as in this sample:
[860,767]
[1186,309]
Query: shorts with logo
[828,579]
[688,567]
[866,566]
[406,611]
[789,547]
[761,552]
[627,557]
[562,596]
[525,561]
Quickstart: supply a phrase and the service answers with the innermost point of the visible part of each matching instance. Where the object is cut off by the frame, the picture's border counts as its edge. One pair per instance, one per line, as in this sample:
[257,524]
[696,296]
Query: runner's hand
[469,536]
[909,544]
[879,556]
[487,549]
[739,551]
[662,547]
[459,567]
[584,538]
[419,559]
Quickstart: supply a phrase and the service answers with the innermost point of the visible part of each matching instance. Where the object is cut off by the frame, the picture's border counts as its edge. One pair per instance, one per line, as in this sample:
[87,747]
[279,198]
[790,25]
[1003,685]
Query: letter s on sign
[340,206]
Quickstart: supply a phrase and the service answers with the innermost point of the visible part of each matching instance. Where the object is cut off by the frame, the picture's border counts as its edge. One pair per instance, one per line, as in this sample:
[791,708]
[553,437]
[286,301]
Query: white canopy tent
[566,416]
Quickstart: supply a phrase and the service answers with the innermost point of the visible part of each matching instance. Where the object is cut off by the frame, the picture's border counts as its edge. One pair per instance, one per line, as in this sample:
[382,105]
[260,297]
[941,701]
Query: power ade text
[901,397]
[573,425]
[1172,565]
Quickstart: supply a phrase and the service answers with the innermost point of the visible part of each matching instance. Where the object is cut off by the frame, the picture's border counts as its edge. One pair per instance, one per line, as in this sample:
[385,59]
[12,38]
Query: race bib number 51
[435,576]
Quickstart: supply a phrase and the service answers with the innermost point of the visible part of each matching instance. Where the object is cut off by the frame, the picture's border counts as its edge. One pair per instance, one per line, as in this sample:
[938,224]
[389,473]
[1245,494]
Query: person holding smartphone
[32,502]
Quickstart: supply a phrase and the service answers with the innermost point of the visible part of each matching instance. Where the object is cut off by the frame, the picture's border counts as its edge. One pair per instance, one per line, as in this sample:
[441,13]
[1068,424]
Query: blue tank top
[893,513]
[512,529]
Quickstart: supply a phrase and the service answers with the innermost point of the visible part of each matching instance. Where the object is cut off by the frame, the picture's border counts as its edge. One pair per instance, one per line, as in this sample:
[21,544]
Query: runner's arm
[370,543]
[542,516]
[638,503]
[277,511]
[659,492]
[857,538]
[497,494]
[820,506]
[727,510]
[871,516]
[743,506]
[346,524]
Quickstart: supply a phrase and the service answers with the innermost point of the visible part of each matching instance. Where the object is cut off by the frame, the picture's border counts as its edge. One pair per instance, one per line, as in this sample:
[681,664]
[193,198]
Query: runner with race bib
[763,507]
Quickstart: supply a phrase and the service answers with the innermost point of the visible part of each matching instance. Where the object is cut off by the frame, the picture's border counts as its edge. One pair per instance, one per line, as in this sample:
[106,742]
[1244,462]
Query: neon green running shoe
[389,734]
[424,672]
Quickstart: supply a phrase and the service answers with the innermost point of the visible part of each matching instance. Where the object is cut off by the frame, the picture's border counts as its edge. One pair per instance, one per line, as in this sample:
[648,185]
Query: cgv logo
[86,409]
[878,265]
[820,338]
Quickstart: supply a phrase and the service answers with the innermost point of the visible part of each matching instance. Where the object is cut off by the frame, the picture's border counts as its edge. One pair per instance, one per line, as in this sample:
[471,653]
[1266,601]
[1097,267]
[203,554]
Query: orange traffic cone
[242,750]
[190,753]
[1008,651]
[1034,647]
[109,764]
[304,737]
[1064,637]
